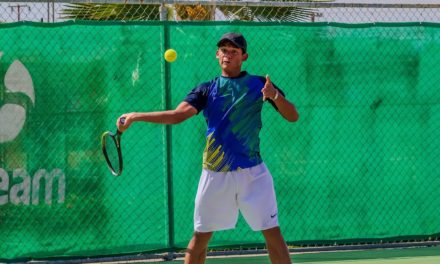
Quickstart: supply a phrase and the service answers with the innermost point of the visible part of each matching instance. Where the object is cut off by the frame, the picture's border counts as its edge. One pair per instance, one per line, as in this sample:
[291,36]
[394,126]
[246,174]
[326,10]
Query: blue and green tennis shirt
[232,109]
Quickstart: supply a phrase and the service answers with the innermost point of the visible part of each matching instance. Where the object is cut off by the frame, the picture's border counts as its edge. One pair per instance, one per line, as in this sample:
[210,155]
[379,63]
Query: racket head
[111,148]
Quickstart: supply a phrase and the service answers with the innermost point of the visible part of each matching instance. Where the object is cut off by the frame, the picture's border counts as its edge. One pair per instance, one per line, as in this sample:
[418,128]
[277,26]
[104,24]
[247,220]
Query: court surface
[425,255]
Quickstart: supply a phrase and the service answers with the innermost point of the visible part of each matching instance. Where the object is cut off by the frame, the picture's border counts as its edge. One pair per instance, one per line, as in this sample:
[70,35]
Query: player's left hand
[268,90]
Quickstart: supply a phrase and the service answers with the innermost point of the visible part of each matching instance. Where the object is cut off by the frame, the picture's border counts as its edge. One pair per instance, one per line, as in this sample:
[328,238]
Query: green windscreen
[361,164]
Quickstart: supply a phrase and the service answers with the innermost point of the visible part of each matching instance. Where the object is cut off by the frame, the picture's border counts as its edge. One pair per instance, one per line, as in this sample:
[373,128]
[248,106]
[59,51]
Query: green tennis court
[423,255]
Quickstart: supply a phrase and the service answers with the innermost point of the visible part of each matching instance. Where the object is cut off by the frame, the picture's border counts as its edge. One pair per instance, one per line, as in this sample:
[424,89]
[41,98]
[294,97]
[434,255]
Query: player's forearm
[183,111]
[161,117]
[286,109]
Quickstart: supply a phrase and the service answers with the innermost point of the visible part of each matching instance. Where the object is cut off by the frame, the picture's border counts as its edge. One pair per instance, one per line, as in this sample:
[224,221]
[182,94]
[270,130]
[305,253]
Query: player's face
[230,59]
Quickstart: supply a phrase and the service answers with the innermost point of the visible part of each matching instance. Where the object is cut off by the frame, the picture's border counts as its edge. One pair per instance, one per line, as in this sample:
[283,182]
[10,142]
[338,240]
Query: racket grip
[122,120]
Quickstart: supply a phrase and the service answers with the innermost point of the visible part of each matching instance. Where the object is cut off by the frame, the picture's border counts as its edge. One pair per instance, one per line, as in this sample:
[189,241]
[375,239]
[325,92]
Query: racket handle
[122,120]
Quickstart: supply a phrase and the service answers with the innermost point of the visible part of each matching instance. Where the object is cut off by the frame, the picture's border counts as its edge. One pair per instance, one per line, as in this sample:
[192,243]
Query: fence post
[168,133]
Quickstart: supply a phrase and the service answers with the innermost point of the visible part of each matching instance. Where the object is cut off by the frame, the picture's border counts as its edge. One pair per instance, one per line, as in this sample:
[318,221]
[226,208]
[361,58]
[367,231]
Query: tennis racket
[111,148]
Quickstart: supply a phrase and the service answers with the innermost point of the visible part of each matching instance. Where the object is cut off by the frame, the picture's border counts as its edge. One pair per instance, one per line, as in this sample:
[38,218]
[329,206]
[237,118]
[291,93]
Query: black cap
[236,39]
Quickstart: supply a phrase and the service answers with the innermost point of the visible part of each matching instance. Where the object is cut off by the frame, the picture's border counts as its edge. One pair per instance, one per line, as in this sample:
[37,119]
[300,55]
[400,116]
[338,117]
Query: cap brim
[224,41]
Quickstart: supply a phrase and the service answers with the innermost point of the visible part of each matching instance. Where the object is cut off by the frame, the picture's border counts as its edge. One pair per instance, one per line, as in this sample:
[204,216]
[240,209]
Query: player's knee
[199,242]
[202,237]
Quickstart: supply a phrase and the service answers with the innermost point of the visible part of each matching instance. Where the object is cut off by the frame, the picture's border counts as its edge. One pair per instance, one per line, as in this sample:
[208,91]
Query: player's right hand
[123,122]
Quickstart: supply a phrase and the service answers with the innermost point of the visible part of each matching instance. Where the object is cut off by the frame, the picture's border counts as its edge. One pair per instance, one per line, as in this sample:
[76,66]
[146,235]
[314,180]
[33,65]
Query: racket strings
[112,152]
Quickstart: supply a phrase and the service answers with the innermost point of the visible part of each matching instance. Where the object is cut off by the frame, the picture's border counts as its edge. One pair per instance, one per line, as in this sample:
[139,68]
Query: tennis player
[234,177]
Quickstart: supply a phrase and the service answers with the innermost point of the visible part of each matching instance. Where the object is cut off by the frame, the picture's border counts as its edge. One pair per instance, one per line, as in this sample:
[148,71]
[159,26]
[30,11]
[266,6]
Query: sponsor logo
[17,95]
[26,190]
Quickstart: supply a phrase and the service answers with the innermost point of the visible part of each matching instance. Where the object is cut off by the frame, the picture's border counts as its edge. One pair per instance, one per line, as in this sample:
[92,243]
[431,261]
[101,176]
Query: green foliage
[238,11]
[89,11]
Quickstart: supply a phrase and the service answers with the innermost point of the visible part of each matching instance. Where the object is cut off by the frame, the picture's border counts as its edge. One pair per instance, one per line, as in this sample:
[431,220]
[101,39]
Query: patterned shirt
[232,109]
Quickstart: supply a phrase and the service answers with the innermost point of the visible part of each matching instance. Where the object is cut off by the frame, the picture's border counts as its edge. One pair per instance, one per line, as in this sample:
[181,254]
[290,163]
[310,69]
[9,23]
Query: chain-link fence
[360,166]
[172,10]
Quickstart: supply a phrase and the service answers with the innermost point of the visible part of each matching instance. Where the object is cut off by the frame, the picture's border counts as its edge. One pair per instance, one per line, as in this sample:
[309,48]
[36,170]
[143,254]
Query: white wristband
[276,96]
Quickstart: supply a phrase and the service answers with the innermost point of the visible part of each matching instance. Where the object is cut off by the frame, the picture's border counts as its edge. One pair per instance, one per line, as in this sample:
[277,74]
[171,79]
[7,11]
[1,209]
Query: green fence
[361,164]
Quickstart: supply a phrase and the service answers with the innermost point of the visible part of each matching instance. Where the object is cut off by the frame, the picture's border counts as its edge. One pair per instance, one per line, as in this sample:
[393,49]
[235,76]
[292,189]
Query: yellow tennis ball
[170,55]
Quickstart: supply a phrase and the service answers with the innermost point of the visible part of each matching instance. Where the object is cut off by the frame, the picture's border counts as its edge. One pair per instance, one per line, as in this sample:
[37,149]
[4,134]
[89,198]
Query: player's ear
[217,54]
[245,56]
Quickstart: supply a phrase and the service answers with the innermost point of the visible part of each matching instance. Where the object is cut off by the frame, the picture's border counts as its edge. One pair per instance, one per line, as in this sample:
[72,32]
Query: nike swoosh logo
[272,216]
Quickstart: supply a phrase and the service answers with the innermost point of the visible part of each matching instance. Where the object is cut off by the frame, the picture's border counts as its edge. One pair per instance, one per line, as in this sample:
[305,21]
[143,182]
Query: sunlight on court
[429,255]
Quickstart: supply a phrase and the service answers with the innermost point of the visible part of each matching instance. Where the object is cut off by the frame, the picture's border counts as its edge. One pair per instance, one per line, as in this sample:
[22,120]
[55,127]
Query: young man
[234,177]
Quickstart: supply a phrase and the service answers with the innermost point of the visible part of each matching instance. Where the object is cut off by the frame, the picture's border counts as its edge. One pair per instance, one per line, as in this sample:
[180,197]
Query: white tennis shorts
[221,195]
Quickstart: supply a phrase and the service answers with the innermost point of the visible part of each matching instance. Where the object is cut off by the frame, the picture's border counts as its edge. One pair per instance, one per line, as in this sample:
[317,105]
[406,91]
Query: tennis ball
[170,55]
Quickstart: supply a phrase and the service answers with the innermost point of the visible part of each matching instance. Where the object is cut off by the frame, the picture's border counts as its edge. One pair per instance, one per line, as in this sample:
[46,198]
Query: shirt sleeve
[198,97]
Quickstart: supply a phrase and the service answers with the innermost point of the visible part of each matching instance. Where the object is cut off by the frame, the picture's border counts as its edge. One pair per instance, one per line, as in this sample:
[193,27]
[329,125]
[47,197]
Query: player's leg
[197,247]
[257,202]
[278,251]
[215,209]
[216,202]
